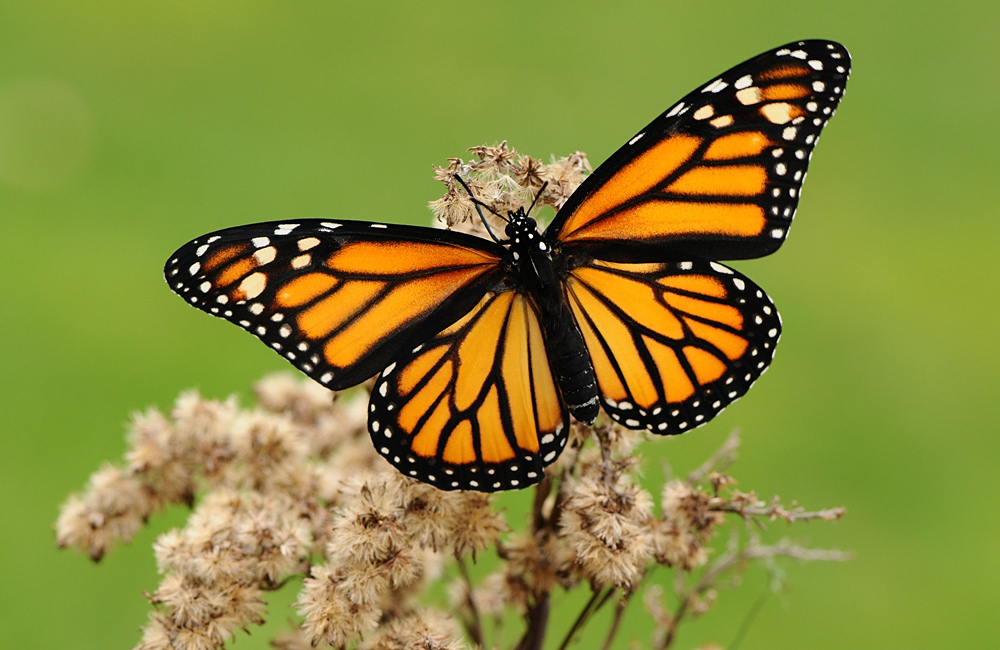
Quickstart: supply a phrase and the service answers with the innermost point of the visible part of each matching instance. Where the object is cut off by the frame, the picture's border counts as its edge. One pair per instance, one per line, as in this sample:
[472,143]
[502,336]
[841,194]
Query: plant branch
[474,626]
[581,620]
[616,621]
[724,457]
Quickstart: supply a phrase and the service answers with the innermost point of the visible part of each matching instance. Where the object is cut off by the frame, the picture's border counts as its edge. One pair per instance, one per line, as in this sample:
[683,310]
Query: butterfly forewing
[476,407]
[718,175]
[339,300]
[672,343]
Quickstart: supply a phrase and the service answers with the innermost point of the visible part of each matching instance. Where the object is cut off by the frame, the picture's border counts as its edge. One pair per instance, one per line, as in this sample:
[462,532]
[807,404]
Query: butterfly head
[520,226]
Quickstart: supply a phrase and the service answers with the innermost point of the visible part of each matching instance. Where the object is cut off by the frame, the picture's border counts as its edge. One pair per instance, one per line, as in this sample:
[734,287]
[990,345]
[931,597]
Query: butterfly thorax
[532,254]
[538,277]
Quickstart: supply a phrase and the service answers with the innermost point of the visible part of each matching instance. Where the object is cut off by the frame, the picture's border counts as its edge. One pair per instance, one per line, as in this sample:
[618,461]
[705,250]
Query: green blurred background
[128,128]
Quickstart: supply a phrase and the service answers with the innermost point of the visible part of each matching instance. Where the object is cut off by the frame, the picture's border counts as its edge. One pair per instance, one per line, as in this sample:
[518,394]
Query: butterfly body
[540,268]
[482,349]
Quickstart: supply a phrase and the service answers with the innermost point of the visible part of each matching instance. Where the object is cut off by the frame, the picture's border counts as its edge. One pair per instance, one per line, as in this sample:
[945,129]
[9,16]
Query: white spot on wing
[308,242]
[777,113]
[749,96]
[253,285]
[265,255]
[720,268]
[716,86]
[704,112]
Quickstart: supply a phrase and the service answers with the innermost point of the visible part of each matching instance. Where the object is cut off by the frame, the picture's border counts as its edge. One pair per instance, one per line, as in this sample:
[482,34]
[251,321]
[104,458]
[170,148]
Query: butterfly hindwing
[338,299]
[718,175]
[476,407]
[672,343]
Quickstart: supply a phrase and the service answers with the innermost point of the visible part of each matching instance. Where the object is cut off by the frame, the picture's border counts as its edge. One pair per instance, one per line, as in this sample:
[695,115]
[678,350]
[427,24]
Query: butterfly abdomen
[576,380]
[571,366]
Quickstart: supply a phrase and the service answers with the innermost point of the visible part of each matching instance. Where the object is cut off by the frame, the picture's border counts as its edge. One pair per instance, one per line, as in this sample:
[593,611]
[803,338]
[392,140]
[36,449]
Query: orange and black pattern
[481,348]
[718,175]
[338,299]
[477,405]
[672,343]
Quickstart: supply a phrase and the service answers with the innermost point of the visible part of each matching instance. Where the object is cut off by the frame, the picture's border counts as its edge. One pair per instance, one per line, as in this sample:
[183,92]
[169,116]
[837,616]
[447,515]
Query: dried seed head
[424,629]
[330,615]
[476,525]
[505,181]
[609,524]
[369,527]
[429,513]
[114,507]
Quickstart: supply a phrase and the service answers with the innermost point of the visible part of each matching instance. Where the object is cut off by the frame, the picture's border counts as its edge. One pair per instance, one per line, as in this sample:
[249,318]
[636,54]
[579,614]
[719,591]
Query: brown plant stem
[538,620]
[595,603]
[474,627]
[616,621]
[721,459]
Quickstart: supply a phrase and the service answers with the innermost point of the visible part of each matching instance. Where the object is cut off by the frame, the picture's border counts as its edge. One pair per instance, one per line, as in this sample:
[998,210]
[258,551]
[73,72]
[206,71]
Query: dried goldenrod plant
[293,487]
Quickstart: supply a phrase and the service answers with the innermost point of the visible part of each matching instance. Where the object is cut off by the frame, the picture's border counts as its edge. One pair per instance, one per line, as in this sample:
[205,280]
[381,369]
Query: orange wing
[340,300]
[672,343]
[476,407]
[718,175]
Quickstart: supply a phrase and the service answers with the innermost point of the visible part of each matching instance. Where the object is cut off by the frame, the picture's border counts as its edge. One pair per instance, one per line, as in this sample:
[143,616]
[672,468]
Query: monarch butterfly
[483,348]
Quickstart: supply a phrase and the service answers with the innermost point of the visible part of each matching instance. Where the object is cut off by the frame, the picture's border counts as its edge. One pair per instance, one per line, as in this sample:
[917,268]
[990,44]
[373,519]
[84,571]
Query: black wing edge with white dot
[762,331]
[236,273]
[524,470]
[737,100]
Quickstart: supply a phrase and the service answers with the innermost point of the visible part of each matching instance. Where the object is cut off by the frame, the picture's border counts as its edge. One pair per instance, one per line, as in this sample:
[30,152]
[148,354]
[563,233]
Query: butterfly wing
[339,299]
[475,407]
[717,175]
[672,343]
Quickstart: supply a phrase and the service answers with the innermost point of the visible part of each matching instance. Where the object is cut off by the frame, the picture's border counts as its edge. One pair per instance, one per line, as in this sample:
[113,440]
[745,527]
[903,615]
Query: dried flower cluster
[293,487]
[505,180]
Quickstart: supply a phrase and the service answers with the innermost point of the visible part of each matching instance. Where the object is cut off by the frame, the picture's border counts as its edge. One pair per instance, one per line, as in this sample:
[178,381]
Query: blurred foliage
[128,128]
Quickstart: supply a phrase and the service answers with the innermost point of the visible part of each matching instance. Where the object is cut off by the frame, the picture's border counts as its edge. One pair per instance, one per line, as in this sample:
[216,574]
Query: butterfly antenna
[537,196]
[476,202]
